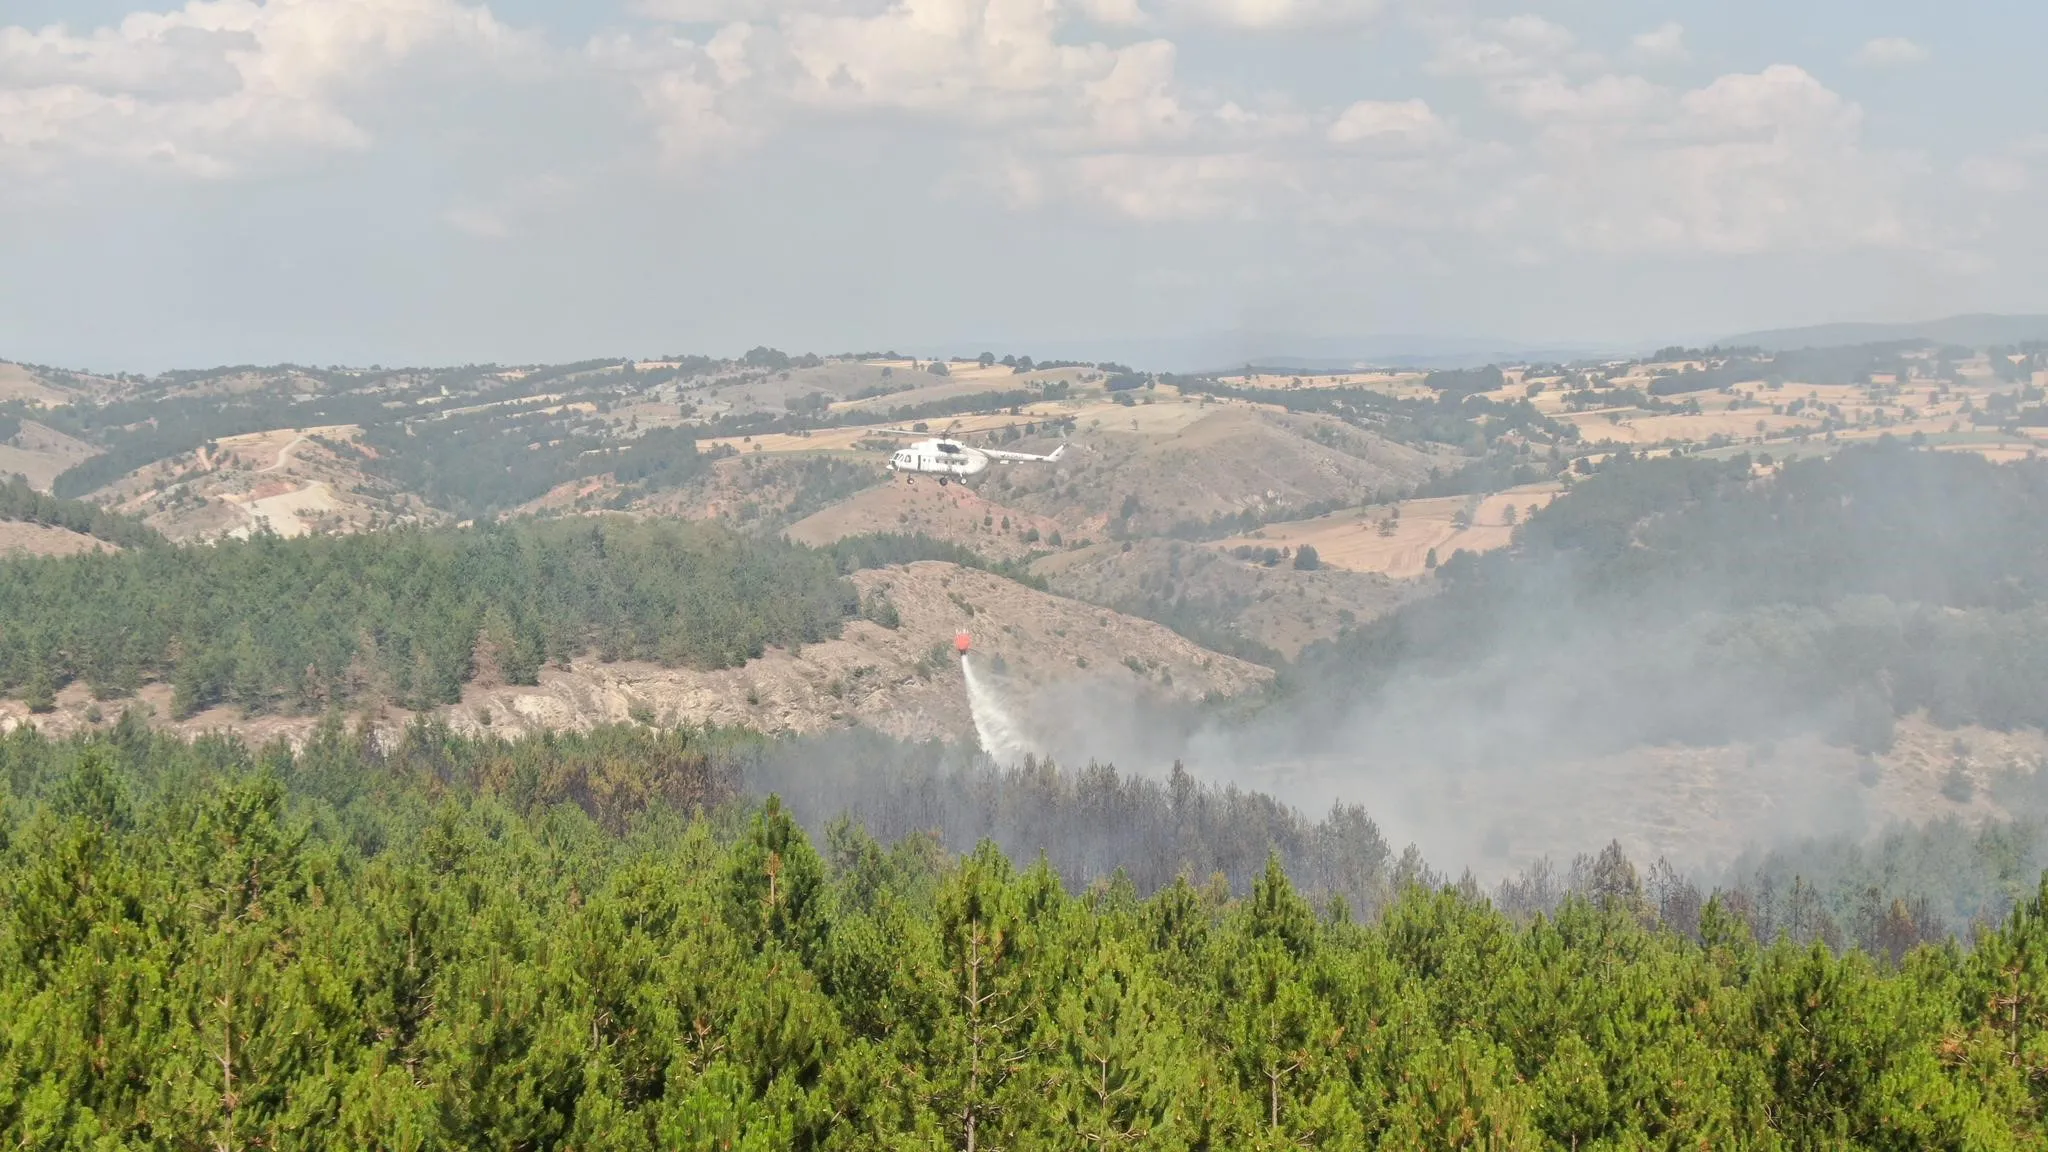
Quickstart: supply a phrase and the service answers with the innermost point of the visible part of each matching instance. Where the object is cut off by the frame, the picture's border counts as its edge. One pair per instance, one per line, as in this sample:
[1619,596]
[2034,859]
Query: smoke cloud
[1738,689]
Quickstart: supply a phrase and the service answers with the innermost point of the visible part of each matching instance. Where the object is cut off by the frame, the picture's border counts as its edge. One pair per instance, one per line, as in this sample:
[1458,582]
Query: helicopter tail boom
[995,455]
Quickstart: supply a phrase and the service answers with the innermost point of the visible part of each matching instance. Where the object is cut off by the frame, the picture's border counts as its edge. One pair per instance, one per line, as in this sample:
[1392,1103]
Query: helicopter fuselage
[951,460]
[946,459]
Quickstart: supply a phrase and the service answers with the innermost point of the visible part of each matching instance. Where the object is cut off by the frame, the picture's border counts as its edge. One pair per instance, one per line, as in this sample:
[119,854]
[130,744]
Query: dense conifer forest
[19,501]
[585,942]
[406,616]
[411,615]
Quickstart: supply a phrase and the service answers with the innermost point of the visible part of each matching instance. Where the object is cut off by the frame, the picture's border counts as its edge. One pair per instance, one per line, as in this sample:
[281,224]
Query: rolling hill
[956,513]
[1975,330]
[1177,513]
[1223,462]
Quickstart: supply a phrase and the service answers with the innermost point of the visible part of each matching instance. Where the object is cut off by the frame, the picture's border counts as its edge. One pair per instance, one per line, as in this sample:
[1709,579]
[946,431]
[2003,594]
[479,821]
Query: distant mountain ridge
[1974,330]
[1229,351]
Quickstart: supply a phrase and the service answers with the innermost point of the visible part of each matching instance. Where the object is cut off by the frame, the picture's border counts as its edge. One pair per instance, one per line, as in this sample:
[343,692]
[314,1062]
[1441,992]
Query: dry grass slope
[955,512]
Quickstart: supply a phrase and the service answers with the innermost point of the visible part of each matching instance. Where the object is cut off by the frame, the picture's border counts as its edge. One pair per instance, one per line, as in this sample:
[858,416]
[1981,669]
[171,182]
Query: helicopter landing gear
[942,481]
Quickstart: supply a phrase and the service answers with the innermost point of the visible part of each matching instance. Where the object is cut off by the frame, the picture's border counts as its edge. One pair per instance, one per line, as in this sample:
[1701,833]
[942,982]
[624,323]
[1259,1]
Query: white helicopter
[951,460]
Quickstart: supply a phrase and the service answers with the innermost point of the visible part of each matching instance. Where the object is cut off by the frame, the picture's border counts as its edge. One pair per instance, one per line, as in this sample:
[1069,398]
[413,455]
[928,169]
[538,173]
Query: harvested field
[1352,540]
[1163,417]
[1401,385]
[961,383]
[1646,428]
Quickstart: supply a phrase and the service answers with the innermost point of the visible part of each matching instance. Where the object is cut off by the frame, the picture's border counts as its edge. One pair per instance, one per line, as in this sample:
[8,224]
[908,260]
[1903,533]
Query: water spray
[996,729]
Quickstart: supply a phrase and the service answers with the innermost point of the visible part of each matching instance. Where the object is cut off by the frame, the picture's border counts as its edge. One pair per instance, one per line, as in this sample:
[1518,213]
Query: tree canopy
[205,946]
[407,616]
[19,501]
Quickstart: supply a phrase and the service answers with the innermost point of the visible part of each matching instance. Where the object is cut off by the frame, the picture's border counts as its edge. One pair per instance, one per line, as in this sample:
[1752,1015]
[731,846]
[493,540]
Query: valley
[1199,538]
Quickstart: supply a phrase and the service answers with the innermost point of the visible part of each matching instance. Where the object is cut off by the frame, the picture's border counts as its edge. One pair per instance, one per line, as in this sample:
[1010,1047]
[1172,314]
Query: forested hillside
[407,616]
[482,463]
[1694,602]
[571,943]
[18,501]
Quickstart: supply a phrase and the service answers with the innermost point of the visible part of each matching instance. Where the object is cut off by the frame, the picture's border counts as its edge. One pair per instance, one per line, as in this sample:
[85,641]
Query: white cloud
[977,60]
[1890,52]
[1598,159]
[1409,123]
[705,11]
[1661,44]
[1998,175]
[1038,114]
[1273,15]
[2009,171]
[218,86]
[1113,13]
[1590,158]
[1750,163]
[701,101]
[1033,101]
[1552,100]
[1515,46]
[1154,188]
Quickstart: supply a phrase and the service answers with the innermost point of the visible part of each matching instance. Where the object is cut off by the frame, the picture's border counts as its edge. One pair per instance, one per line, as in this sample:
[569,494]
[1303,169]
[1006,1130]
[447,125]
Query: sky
[438,182]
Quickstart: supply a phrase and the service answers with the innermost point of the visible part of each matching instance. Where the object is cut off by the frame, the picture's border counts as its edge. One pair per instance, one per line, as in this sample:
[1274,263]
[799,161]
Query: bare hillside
[18,382]
[53,387]
[904,680]
[955,512]
[1233,459]
[915,387]
[21,538]
[294,481]
[39,453]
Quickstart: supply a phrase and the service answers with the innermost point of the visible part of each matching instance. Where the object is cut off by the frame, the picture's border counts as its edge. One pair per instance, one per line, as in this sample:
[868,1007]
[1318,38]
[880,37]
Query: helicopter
[951,460]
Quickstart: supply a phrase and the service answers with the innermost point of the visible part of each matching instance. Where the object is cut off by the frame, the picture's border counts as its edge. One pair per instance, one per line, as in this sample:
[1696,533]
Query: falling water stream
[993,725]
